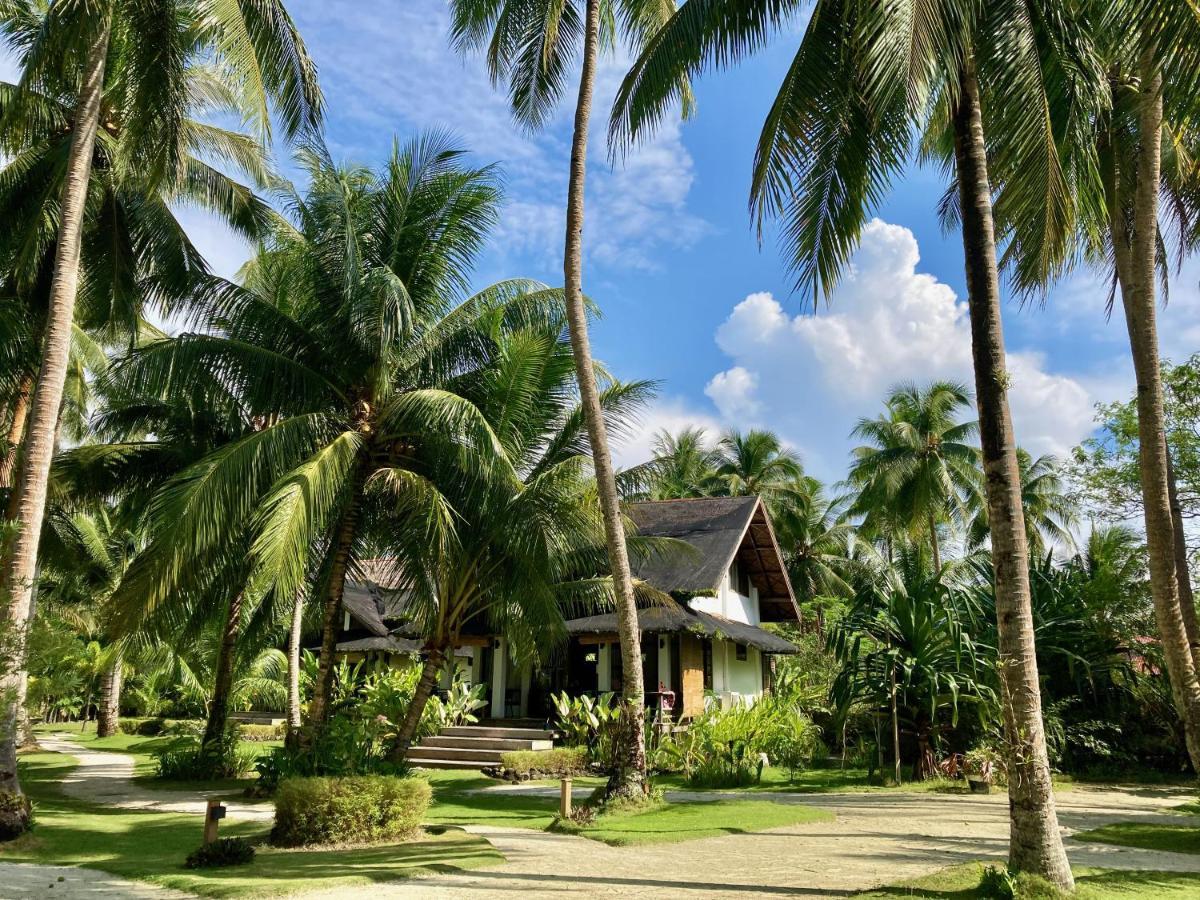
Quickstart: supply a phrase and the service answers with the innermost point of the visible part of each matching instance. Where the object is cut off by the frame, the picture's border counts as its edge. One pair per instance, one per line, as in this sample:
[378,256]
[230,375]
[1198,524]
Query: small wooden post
[564,800]
[214,812]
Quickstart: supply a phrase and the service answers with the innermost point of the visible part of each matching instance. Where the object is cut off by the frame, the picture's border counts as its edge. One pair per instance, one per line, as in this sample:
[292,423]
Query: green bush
[187,759]
[561,762]
[355,809]
[234,851]
[347,745]
[142,727]
[263,733]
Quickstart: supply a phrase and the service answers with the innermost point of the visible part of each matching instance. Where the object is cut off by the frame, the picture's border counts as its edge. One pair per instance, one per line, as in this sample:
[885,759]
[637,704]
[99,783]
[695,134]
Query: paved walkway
[874,839]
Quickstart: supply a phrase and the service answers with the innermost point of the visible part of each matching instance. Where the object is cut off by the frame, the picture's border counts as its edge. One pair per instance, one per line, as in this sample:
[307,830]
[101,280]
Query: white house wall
[729,604]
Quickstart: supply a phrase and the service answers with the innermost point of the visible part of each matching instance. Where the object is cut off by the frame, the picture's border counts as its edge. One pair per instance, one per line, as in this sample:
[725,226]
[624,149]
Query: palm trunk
[43,420]
[16,432]
[293,660]
[110,699]
[318,707]
[434,658]
[1140,320]
[218,709]
[1183,574]
[895,728]
[1035,844]
[933,544]
[628,780]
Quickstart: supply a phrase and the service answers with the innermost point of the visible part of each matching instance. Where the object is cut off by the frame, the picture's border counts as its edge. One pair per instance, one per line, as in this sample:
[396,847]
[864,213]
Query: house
[704,635]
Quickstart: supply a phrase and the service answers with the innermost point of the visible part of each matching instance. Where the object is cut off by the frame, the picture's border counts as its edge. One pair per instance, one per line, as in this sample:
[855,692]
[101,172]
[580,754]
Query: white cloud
[811,377]
[672,414]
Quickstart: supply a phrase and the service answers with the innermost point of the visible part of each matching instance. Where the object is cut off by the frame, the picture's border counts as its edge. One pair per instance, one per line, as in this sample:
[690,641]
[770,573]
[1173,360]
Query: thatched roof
[677,617]
[363,602]
[721,529]
[388,644]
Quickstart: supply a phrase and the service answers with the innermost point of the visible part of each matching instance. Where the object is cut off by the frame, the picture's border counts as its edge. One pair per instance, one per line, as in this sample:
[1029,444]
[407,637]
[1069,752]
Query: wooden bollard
[564,799]
[214,812]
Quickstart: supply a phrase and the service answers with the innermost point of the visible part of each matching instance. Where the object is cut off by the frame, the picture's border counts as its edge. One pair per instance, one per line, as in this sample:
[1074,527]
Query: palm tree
[756,462]
[69,47]
[530,45]
[919,468]
[1049,509]
[524,552]
[350,347]
[838,132]
[816,539]
[684,465]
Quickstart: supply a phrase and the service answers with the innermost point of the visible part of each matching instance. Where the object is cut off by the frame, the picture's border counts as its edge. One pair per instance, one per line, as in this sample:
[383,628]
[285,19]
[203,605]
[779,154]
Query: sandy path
[19,881]
[874,839]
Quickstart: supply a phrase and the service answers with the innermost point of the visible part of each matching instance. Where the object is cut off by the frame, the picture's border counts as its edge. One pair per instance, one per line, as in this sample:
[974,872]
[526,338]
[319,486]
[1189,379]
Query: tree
[351,346]
[838,132]
[918,468]
[1049,509]
[69,47]
[684,465]
[530,45]
[756,462]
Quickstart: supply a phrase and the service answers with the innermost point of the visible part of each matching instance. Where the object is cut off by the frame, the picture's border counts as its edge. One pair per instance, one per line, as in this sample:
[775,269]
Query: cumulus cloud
[672,414]
[811,377]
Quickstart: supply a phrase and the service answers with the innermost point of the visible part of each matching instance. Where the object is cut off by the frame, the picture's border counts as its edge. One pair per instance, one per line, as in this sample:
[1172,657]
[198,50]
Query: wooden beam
[589,639]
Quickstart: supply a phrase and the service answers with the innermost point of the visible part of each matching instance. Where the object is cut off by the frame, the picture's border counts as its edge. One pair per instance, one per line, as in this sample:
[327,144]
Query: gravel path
[874,839]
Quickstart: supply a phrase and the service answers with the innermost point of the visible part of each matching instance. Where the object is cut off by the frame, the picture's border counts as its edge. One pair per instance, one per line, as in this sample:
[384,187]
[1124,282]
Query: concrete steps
[475,746]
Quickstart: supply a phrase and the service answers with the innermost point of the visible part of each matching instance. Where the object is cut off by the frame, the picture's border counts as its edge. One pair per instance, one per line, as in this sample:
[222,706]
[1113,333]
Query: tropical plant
[68,49]
[838,133]
[919,468]
[756,463]
[818,544]
[1050,509]
[529,47]
[683,465]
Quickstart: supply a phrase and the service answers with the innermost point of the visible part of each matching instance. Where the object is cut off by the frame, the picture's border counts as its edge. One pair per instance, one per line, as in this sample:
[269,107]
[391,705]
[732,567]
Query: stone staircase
[475,746]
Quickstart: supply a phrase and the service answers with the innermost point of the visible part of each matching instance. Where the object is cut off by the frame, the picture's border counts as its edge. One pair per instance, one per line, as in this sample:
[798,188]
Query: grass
[458,801]
[668,823]
[1146,836]
[835,781]
[152,846]
[962,883]
[143,748]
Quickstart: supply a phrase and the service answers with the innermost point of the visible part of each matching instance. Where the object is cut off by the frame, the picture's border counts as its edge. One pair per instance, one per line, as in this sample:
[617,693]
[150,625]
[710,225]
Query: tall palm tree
[530,46]
[526,552]
[1049,509]
[350,347]
[683,465]
[837,134]
[756,462]
[69,47]
[919,468]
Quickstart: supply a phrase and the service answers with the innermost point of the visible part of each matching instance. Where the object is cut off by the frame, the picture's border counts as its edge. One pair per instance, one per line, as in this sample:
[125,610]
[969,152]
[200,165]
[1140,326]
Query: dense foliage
[348,810]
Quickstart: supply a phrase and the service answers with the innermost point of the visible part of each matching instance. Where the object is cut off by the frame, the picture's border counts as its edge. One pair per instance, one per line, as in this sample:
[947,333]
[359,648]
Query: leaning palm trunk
[319,706]
[1135,256]
[218,709]
[293,666]
[1035,844]
[1183,574]
[16,432]
[18,578]
[434,658]
[628,778]
[109,711]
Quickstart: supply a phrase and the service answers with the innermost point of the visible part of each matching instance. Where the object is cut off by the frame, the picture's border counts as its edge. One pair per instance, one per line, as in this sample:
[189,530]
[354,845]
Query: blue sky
[688,296]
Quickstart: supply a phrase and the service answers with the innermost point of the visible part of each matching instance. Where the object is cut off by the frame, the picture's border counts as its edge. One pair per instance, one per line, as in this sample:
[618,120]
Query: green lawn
[962,883]
[142,749]
[152,846]
[457,801]
[1147,836]
[835,780]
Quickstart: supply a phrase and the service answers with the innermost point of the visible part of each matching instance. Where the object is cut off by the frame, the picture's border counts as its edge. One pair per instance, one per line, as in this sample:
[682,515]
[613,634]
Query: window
[707,664]
[741,652]
[739,579]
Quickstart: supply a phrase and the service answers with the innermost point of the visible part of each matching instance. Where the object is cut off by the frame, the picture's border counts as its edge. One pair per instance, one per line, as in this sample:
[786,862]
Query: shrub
[143,727]
[234,851]
[262,733]
[561,762]
[187,759]
[355,809]
[16,815]
[347,745]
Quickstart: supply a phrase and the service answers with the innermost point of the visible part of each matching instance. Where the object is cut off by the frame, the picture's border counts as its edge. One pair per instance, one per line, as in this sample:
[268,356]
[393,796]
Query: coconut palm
[1049,509]
[524,553]
[684,465]
[69,48]
[530,47]
[837,134]
[919,468]
[756,462]
[349,347]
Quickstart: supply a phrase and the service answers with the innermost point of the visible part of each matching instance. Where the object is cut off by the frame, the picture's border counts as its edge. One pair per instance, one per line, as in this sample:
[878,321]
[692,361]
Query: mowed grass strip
[962,883]
[1146,836]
